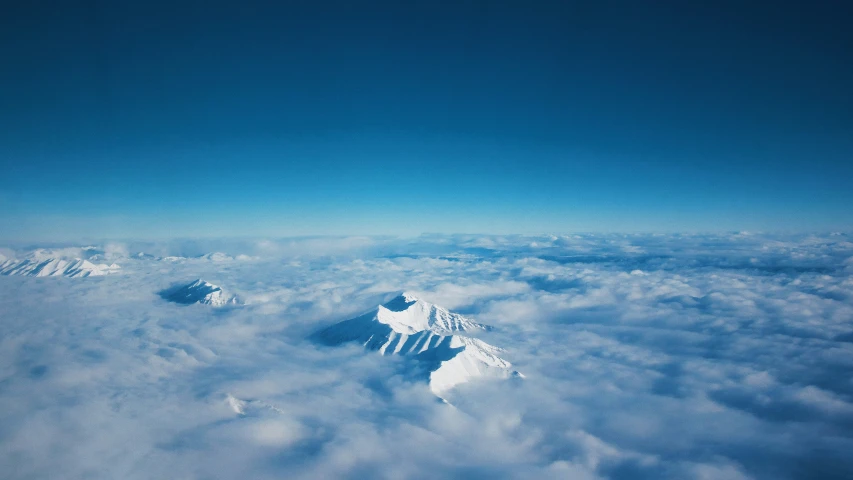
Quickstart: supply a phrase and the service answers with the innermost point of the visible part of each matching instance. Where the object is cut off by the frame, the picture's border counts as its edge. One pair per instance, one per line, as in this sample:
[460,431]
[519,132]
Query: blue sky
[203,119]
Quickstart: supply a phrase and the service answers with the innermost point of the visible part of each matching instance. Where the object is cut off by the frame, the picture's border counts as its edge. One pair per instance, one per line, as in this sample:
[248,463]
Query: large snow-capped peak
[198,291]
[408,314]
[407,325]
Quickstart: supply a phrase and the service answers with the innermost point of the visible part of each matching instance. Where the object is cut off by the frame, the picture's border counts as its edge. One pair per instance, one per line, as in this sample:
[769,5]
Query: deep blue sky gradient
[240,118]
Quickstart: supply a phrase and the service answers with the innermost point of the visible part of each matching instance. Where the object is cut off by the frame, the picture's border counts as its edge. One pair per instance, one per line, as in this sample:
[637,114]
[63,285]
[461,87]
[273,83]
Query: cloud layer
[725,356]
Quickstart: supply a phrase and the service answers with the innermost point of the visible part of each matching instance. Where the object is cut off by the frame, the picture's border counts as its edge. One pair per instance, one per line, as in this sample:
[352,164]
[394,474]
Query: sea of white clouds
[645,357]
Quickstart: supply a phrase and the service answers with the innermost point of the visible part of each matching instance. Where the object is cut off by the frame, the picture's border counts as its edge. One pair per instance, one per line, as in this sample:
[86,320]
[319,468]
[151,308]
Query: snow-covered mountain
[217,257]
[199,291]
[409,326]
[42,263]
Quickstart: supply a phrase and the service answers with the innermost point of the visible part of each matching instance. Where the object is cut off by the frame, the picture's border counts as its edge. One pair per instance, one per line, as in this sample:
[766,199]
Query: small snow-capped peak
[217,257]
[199,291]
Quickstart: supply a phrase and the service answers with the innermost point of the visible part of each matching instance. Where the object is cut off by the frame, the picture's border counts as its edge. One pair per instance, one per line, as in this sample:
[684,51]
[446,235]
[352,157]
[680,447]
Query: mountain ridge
[40,263]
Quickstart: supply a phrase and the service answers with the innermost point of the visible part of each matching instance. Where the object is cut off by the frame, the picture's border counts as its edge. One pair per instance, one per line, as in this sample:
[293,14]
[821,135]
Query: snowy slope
[199,291]
[409,326]
[217,257]
[41,264]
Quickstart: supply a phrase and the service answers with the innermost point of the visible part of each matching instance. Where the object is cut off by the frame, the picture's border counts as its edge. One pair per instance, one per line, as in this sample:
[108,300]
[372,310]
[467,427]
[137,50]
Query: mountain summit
[198,291]
[408,314]
[407,325]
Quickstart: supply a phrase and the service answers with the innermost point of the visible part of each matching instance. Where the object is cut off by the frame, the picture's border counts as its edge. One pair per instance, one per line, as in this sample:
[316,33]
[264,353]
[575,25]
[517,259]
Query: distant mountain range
[86,261]
[48,263]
